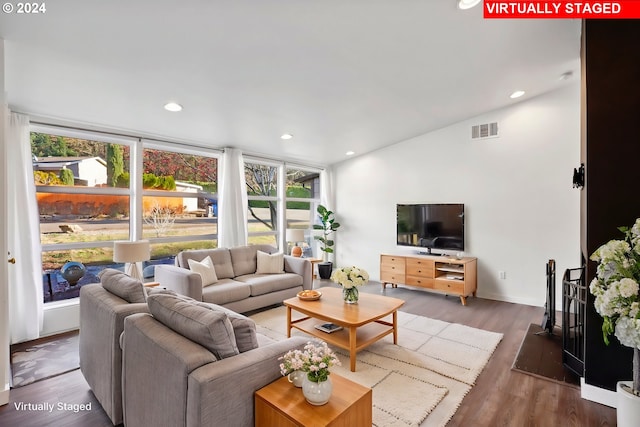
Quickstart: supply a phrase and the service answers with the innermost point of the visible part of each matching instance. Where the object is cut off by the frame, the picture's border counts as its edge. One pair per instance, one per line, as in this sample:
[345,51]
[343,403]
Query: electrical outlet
[502,274]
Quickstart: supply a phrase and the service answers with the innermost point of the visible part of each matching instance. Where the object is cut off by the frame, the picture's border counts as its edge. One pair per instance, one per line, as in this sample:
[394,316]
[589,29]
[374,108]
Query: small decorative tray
[309,295]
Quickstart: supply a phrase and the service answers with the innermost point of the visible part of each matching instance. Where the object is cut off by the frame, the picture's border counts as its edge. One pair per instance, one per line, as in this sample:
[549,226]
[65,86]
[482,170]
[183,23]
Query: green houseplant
[328,225]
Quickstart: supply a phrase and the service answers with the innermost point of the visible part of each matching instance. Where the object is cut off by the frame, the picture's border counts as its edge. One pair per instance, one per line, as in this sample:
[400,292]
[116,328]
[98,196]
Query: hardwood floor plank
[500,397]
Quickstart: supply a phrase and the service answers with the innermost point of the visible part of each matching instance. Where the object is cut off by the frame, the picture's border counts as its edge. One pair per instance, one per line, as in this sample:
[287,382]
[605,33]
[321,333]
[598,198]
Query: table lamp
[132,253]
[295,235]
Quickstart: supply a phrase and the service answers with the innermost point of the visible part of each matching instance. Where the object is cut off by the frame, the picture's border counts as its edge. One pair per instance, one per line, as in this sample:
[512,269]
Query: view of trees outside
[84,202]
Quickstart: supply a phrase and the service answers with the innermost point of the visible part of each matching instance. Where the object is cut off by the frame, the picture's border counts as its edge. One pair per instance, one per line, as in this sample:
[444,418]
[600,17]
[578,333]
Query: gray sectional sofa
[240,285]
[193,364]
[153,357]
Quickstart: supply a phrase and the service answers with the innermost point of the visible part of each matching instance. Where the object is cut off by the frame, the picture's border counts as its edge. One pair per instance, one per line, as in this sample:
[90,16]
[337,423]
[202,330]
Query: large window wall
[87,186]
[94,188]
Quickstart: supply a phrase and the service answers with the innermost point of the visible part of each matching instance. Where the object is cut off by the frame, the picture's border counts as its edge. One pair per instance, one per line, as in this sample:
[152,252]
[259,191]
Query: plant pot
[324,269]
[628,405]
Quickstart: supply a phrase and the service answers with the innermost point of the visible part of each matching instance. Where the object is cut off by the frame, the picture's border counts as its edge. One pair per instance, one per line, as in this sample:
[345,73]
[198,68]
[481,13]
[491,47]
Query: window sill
[59,304]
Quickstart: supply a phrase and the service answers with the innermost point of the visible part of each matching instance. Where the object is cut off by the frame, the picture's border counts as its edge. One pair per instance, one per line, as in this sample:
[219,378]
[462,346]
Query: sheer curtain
[25,276]
[326,189]
[233,203]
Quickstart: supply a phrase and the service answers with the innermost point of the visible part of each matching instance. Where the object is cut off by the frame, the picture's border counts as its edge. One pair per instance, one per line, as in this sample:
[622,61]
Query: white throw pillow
[270,263]
[205,269]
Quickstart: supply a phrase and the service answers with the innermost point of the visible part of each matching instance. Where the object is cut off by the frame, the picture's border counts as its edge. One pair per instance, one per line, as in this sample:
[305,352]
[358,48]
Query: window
[302,194]
[262,193]
[87,199]
[180,200]
[83,202]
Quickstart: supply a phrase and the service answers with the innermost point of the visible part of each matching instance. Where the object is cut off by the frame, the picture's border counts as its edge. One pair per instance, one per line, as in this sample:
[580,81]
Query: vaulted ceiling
[338,75]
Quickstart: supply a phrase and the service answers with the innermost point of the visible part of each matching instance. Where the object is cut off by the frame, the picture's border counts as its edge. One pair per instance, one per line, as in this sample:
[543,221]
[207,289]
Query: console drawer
[420,269]
[420,281]
[392,277]
[392,264]
[453,286]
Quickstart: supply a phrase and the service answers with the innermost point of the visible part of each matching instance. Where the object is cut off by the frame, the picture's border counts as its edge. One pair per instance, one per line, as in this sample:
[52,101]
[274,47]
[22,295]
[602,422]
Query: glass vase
[317,393]
[350,295]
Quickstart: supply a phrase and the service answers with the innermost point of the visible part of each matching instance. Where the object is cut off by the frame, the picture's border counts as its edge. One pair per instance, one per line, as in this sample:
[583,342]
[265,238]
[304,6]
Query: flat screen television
[431,226]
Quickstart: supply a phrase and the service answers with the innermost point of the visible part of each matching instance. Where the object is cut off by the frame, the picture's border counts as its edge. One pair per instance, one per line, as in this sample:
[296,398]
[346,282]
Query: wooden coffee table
[362,322]
[280,404]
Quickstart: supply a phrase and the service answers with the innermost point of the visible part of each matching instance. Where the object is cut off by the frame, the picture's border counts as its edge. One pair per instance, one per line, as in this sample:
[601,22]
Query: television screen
[432,226]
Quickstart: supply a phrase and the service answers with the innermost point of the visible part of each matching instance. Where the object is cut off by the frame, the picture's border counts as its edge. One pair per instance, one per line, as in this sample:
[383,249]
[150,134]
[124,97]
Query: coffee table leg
[288,322]
[395,327]
[352,348]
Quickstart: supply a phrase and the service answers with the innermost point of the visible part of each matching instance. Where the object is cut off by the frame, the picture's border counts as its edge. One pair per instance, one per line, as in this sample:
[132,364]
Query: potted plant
[328,226]
[617,291]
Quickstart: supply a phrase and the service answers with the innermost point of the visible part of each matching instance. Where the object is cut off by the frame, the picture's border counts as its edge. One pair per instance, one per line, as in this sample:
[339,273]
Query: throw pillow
[211,329]
[270,263]
[205,269]
[244,328]
[122,285]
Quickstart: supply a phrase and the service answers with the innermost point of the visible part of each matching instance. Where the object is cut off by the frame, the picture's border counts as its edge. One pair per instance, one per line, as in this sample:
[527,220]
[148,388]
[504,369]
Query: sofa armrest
[302,267]
[222,393]
[181,280]
[102,316]
[156,366]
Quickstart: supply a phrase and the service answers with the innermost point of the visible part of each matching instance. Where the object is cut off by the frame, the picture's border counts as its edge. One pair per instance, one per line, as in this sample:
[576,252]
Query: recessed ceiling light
[467,4]
[286,136]
[516,94]
[350,153]
[173,107]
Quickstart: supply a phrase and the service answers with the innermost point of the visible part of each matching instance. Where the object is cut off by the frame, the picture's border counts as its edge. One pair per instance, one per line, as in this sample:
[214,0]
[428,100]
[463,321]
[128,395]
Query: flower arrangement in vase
[616,290]
[314,359]
[350,278]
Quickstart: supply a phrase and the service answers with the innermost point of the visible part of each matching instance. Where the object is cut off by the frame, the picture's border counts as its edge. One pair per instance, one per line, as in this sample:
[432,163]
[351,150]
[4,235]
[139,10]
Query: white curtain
[25,276]
[232,203]
[326,189]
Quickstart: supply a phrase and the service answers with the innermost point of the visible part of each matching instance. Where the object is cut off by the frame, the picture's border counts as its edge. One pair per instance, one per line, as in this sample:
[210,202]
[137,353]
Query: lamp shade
[124,251]
[295,235]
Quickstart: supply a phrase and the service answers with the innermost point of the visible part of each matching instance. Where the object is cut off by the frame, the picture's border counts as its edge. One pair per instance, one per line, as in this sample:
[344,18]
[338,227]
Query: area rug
[419,382]
[540,355]
[44,358]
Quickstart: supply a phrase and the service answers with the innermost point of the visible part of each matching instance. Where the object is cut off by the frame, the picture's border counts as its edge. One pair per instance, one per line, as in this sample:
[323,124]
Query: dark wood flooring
[501,396]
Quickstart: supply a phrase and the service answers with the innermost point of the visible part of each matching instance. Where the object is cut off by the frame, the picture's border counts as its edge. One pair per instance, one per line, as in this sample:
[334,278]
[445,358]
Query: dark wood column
[611,154]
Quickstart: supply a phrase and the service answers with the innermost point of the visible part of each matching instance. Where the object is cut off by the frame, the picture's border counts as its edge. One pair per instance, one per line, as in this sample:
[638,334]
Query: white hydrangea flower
[628,287]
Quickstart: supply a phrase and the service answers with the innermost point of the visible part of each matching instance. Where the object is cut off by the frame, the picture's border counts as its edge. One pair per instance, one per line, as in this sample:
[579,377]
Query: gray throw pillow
[211,329]
[122,285]
[244,328]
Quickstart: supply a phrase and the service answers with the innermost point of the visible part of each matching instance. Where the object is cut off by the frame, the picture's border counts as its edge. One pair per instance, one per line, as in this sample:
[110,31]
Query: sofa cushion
[221,260]
[244,328]
[211,329]
[226,291]
[122,285]
[261,284]
[205,269]
[269,263]
[244,259]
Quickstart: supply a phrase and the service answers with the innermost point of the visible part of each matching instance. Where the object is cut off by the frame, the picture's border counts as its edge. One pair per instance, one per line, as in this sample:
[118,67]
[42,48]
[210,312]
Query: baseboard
[597,394]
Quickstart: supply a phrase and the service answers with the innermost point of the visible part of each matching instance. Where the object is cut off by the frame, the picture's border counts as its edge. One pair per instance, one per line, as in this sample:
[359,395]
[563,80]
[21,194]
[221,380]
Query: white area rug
[419,382]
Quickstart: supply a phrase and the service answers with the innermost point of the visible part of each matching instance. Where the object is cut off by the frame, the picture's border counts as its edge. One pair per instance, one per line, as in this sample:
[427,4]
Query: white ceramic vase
[628,411]
[317,393]
[297,378]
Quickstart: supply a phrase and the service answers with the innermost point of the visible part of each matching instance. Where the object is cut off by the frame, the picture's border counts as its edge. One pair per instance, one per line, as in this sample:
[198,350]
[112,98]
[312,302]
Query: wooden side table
[313,262]
[280,404]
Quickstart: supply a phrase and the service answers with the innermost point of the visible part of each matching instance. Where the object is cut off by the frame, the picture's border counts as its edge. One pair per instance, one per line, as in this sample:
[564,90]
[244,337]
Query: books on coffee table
[328,327]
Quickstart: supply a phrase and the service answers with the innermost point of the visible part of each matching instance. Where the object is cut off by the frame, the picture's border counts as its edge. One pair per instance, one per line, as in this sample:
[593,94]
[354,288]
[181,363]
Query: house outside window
[302,195]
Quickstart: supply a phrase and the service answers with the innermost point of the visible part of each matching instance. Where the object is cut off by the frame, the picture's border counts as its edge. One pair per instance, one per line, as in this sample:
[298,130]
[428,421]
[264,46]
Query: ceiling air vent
[483,131]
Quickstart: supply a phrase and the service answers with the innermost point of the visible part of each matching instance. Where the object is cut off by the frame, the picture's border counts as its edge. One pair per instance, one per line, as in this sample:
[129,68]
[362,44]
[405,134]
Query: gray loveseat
[239,285]
[193,364]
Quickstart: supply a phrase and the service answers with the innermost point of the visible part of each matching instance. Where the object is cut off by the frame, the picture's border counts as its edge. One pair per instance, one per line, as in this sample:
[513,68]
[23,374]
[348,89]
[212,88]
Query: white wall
[520,207]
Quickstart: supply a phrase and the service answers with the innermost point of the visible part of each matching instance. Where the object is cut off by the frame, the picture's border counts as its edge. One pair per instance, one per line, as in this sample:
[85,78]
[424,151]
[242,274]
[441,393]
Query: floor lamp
[132,253]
